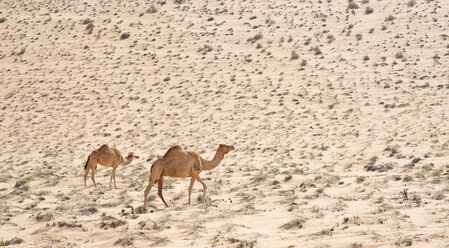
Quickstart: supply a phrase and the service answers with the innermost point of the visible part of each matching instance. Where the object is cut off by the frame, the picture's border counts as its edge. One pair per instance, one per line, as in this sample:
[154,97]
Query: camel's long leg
[93,176]
[115,172]
[204,186]
[192,181]
[86,172]
[93,166]
[110,180]
[154,176]
[147,191]
[160,184]
[114,169]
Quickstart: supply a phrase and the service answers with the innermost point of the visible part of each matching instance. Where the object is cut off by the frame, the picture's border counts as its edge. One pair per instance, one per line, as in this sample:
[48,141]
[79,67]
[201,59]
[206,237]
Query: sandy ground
[338,112]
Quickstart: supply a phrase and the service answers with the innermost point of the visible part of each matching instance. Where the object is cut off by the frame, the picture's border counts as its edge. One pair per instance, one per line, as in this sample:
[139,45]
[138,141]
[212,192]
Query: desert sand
[337,110]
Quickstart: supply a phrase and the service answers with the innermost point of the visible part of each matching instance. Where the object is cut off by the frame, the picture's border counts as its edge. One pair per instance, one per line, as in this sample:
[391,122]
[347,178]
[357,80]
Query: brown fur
[180,163]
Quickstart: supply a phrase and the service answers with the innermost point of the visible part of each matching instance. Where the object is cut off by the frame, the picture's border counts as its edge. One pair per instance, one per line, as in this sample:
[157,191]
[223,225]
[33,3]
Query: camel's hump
[172,149]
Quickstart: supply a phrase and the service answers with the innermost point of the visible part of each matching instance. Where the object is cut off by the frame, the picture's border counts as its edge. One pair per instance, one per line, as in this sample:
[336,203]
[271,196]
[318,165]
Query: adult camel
[179,163]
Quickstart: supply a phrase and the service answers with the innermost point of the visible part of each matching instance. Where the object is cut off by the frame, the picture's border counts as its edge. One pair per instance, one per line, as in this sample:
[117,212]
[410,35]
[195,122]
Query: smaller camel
[105,156]
[179,163]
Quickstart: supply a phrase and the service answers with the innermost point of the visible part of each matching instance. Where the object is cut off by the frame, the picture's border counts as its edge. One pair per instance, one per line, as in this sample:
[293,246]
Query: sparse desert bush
[378,168]
[360,179]
[44,217]
[390,18]
[330,38]
[411,3]
[205,49]
[127,241]
[90,28]
[365,58]
[87,21]
[256,37]
[89,210]
[112,224]
[369,10]
[152,9]
[294,224]
[2,19]
[62,224]
[14,241]
[21,52]
[371,30]
[384,27]
[303,62]
[407,178]
[353,5]
[399,55]
[124,36]
[359,36]
[404,242]
[428,167]
[316,49]
[294,56]
[356,245]
[438,196]
[307,42]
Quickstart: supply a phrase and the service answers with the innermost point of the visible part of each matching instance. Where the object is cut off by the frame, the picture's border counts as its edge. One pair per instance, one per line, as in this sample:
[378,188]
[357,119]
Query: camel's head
[226,148]
[131,155]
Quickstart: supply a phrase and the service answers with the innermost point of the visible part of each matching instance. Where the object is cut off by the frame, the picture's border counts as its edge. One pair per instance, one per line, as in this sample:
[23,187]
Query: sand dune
[337,110]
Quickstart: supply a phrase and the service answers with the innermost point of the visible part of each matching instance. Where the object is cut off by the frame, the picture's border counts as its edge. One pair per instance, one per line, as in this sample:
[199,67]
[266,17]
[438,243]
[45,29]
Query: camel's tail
[87,163]
[151,171]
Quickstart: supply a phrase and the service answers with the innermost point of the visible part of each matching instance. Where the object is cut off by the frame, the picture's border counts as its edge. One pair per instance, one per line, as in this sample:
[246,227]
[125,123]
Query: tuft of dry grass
[255,38]
[111,224]
[44,217]
[13,241]
[293,224]
[127,241]
[65,224]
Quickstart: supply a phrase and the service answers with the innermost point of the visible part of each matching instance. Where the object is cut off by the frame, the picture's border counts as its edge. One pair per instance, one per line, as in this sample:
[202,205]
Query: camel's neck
[209,165]
[127,161]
